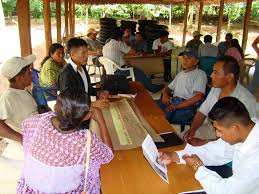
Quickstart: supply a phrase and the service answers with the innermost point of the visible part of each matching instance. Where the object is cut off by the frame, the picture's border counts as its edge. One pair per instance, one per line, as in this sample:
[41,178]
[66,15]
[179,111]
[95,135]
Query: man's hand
[188,135]
[170,108]
[96,114]
[166,99]
[193,161]
[168,157]
[197,142]
[103,95]
[100,104]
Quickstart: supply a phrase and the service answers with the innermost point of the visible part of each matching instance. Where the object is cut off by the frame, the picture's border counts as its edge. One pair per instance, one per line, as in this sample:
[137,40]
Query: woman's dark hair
[235,43]
[52,50]
[72,106]
[75,43]
[230,65]
[229,109]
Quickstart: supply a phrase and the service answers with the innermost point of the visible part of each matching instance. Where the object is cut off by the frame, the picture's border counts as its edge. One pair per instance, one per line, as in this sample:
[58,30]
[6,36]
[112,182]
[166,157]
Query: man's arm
[254,45]
[198,120]
[7,132]
[195,99]
[166,96]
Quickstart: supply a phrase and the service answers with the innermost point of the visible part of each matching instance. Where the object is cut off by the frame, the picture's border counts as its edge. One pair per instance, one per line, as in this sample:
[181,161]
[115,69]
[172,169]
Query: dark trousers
[167,69]
[182,116]
[141,77]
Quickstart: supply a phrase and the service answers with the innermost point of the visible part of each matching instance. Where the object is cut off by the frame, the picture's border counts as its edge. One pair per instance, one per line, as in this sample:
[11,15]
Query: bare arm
[98,117]
[166,96]
[198,97]
[198,120]
[254,45]
[132,52]
[7,132]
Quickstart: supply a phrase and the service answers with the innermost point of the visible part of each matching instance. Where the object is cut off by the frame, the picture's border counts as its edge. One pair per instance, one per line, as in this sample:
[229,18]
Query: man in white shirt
[207,49]
[239,143]
[16,103]
[115,50]
[183,95]
[224,77]
[163,47]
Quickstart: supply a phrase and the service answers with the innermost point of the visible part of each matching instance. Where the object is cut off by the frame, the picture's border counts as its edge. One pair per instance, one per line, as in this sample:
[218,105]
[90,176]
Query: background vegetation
[232,12]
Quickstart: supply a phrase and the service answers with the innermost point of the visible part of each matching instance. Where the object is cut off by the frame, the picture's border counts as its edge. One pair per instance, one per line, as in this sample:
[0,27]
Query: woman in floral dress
[55,148]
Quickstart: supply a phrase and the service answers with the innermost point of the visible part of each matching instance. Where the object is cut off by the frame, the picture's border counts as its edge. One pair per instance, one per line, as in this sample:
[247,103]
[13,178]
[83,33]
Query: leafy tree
[9,7]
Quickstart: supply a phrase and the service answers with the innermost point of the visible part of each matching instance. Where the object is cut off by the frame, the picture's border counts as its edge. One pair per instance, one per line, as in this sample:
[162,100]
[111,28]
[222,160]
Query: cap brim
[29,60]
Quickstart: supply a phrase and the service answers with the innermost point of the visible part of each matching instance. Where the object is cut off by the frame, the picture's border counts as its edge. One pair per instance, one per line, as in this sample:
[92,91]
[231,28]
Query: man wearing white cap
[95,46]
[195,42]
[16,103]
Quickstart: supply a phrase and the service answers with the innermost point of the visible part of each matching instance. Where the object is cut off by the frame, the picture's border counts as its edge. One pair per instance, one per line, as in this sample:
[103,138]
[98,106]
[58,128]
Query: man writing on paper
[238,142]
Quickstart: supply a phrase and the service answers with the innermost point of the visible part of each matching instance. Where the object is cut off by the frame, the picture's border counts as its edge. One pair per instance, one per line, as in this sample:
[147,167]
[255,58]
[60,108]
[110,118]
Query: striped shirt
[115,51]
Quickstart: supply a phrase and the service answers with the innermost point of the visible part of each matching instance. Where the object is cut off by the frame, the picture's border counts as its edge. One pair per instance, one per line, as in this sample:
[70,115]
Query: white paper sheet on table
[151,154]
[194,192]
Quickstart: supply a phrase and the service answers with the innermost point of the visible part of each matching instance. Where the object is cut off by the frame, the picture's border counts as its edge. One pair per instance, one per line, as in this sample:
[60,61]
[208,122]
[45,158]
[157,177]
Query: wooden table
[150,64]
[130,173]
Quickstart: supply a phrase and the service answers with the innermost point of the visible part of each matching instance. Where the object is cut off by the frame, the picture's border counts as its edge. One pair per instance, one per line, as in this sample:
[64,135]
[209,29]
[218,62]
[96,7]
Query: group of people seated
[62,156]
[228,47]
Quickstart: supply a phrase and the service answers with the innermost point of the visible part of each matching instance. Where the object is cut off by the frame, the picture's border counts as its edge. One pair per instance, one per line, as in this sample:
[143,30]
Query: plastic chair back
[206,64]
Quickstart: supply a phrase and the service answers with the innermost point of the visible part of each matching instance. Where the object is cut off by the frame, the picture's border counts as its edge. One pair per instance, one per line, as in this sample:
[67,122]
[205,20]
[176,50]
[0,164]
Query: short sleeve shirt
[93,44]
[166,46]
[240,93]
[115,51]
[15,106]
[186,84]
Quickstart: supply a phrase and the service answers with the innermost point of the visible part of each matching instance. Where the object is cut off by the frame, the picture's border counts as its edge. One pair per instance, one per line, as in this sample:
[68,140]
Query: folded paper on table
[151,154]
[126,125]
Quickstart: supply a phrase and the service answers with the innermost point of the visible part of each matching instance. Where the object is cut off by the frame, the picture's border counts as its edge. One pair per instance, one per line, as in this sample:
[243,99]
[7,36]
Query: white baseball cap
[12,66]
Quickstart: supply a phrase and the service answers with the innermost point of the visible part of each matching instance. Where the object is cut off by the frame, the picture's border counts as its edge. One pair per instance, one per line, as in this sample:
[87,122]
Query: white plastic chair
[110,67]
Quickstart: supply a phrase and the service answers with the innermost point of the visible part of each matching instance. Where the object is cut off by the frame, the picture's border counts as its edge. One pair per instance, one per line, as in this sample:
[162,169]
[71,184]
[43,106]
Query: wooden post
[73,16]
[58,18]
[170,17]
[221,9]
[24,24]
[47,24]
[246,22]
[185,21]
[66,19]
[200,16]
[70,16]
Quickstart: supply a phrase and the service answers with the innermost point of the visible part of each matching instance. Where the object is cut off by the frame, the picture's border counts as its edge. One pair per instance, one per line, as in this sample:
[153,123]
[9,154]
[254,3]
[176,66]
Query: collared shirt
[193,44]
[207,50]
[81,73]
[165,47]
[115,51]
[139,46]
[187,84]
[15,106]
[245,164]
[240,93]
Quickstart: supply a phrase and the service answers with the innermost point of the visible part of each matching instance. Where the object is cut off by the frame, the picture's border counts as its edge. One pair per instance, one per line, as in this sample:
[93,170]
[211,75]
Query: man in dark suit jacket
[75,73]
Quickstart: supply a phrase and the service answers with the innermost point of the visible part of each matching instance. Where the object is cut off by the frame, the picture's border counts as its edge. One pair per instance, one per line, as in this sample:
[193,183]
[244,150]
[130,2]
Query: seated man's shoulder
[245,93]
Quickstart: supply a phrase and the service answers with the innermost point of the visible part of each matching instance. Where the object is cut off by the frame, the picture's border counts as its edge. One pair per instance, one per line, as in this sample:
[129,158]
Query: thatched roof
[152,1]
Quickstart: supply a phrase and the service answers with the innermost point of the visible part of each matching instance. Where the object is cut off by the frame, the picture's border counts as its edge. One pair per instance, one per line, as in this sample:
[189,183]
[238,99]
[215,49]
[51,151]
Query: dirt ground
[10,46]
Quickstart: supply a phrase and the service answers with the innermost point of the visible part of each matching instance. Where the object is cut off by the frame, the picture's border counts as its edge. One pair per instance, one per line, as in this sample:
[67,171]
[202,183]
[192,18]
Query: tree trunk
[2,21]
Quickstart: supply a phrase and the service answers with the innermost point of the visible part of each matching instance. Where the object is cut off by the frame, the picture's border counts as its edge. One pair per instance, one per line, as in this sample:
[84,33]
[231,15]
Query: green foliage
[8,7]
[232,12]
[36,8]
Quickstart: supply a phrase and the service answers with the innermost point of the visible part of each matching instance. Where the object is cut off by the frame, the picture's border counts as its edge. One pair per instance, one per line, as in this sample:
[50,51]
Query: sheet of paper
[194,192]
[151,154]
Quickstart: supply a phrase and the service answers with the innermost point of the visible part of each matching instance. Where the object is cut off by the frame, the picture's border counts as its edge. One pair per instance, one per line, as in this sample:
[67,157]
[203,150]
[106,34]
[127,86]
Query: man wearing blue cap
[183,95]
